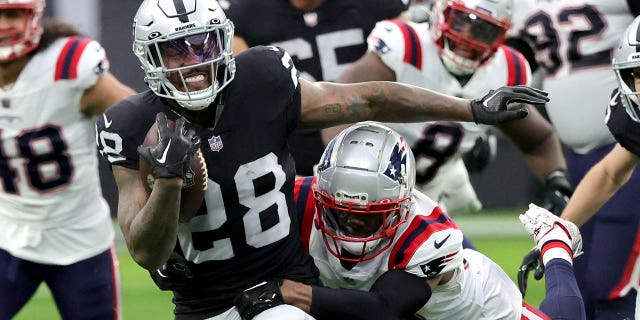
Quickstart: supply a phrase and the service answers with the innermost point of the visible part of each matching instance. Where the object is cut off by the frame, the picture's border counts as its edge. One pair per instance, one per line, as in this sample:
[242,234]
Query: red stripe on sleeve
[511,67]
[76,57]
[62,57]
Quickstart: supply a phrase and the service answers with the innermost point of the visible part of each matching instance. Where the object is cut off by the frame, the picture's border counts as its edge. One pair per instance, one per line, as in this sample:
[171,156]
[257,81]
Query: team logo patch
[215,143]
[381,46]
[397,161]
[325,161]
[433,267]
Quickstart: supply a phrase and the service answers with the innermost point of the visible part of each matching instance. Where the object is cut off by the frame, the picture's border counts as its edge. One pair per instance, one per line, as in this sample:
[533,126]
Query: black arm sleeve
[394,295]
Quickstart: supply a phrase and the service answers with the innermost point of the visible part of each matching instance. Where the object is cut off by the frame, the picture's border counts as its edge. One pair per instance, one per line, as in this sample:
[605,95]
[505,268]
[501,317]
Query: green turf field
[498,234]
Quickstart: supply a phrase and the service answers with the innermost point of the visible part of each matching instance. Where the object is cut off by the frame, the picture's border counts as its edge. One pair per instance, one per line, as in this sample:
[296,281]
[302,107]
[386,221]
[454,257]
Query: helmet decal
[397,161]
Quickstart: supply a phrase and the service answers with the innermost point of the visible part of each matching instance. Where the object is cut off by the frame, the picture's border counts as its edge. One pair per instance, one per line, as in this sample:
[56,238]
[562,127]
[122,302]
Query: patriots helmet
[184,48]
[625,60]
[15,43]
[469,32]
[363,190]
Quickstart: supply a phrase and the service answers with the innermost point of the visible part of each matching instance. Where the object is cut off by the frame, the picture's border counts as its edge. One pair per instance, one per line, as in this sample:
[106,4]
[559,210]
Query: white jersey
[427,245]
[574,41]
[408,50]
[51,205]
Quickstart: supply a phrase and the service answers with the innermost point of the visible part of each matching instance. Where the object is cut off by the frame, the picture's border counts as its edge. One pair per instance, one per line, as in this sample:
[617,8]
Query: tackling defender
[369,230]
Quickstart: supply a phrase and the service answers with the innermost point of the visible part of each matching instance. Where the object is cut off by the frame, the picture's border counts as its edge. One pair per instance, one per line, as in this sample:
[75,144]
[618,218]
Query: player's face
[12,21]
[195,51]
[357,224]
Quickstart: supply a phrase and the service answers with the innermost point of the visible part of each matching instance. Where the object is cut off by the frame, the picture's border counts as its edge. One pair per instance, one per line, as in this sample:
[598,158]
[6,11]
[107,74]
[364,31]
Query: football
[195,183]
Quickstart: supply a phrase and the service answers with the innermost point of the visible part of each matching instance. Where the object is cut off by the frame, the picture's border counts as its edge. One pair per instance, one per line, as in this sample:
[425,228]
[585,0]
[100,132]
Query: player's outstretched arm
[599,184]
[327,104]
[380,302]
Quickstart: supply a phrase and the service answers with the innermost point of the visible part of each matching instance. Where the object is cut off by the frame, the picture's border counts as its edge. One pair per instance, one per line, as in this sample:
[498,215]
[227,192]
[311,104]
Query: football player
[615,170]
[461,54]
[370,231]
[322,36]
[55,226]
[243,108]
[573,42]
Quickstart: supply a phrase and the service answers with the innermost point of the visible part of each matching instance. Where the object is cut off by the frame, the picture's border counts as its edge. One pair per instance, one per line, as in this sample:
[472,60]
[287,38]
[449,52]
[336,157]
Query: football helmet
[468,32]
[17,43]
[363,190]
[627,58]
[184,48]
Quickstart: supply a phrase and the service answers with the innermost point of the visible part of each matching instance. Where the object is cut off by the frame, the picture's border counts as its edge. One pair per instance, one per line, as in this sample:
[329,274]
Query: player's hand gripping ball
[170,152]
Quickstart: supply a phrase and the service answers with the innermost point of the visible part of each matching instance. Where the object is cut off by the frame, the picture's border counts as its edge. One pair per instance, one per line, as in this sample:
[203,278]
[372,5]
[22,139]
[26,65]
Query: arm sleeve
[381,302]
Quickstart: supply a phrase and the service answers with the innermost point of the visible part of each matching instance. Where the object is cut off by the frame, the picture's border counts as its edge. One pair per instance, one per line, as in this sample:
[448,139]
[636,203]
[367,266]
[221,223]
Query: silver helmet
[469,32]
[184,48]
[363,190]
[627,58]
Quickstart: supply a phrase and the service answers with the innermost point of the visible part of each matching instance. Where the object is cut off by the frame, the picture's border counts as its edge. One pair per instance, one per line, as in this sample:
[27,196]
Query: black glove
[258,298]
[174,275]
[483,152]
[531,261]
[495,107]
[171,157]
[555,193]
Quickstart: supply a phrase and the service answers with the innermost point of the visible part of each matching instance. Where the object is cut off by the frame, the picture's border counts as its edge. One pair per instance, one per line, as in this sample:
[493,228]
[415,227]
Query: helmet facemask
[363,191]
[186,54]
[468,37]
[15,43]
[626,65]
[358,231]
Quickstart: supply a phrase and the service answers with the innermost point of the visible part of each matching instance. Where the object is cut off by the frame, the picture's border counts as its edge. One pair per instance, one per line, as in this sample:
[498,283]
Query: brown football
[195,182]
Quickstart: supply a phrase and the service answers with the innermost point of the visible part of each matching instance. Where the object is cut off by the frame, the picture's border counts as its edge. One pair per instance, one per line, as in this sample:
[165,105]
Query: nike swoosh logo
[484,103]
[164,154]
[612,102]
[107,123]
[439,244]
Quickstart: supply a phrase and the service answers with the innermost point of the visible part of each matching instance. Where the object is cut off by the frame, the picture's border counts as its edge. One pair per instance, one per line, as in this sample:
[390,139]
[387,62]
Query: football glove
[171,157]
[174,275]
[555,193]
[506,104]
[531,261]
[483,152]
[258,298]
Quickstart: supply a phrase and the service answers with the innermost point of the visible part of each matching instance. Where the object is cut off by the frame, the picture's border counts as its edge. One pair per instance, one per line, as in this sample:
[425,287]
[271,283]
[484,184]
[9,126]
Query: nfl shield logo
[215,143]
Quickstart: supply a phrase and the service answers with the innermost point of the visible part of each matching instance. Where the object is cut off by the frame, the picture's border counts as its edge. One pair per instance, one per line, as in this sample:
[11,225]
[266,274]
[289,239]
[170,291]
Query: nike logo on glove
[164,154]
[439,244]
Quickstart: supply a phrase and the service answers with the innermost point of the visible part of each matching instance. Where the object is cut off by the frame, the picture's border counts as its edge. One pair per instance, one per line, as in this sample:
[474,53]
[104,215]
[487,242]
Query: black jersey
[321,42]
[622,126]
[246,230]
